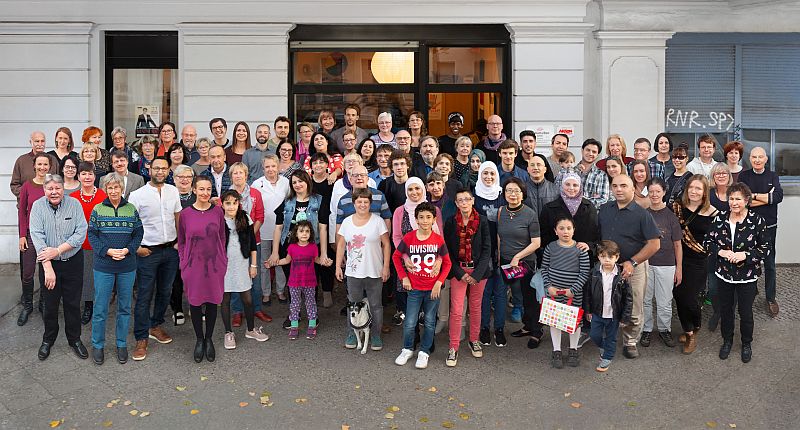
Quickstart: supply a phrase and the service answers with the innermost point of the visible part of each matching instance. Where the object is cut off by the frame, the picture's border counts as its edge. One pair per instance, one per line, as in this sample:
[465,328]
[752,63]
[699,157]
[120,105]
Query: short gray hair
[111,178]
[183,168]
[119,130]
[203,140]
[52,177]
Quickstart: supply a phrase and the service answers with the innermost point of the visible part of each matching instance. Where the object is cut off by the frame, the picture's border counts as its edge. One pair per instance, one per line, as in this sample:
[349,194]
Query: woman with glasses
[118,140]
[416,126]
[166,136]
[286,159]
[385,135]
[94,136]
[69,171]
[142,167]
[305,130]
[721,181]
[677,181]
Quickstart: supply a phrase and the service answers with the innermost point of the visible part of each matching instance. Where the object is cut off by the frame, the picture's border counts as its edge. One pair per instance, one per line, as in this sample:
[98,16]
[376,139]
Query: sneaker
[476,349]
[351,342]
[500,338]
[422,360]
[666,337]
[262,316]
[376,343]
[603,365]
[287,324]
[772,309]
[294,333]
[516,315]
[237,320]
[452,358]
[159,335]
[645,339]
[402,359]
[140,352]
[256,334]
[725,350]
[179,318]
[398,318]
[747,353]
[556,361]
[230,340]
[520,333]
[583,339]
[485,337]
[573,358]
[311,333]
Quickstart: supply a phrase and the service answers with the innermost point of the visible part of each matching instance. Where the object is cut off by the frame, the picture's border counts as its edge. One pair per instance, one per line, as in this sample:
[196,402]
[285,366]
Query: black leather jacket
[621,296]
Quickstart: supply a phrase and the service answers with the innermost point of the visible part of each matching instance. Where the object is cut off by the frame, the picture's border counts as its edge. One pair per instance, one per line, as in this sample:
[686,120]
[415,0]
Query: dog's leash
[369,321]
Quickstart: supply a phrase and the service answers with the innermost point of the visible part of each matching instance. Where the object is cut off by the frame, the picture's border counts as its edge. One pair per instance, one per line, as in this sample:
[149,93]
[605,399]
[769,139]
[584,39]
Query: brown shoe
[691,343]
[159,335]
[773,309]
[682,338]
[140,353]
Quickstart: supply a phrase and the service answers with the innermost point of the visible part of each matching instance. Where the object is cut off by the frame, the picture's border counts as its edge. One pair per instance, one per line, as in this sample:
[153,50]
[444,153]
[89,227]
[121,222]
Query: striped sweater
[115,228]
[565,267]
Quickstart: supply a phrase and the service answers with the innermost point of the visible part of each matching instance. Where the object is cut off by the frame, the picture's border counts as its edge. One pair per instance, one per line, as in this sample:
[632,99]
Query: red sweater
[99,196]
[423,254]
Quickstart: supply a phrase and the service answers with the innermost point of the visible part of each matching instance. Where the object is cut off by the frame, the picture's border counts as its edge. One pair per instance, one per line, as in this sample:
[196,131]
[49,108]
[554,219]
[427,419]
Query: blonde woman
[615,147]
[90,153]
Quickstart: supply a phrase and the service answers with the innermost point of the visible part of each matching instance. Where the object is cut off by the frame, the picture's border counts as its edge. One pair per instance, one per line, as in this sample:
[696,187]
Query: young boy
[609,301]
[422,247]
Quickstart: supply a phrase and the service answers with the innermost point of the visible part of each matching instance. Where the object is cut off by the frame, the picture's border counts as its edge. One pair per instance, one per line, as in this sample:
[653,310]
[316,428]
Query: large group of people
[440,230]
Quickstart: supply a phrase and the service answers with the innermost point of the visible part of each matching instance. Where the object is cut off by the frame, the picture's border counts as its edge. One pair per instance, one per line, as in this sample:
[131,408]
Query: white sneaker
[257,334]
[230,340]
[402,359]
[422,360]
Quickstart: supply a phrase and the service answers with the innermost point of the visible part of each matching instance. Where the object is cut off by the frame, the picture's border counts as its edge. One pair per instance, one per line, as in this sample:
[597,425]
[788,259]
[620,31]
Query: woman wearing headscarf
[570,204]
[470,178]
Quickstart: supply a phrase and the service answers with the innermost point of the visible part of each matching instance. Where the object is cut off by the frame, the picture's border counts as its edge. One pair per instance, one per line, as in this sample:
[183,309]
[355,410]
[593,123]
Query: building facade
[591,68]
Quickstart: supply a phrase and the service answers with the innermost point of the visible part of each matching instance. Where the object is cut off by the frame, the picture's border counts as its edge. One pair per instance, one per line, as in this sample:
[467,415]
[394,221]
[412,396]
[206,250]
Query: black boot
[199,350]
[27,308]
[211,353]
[86,318]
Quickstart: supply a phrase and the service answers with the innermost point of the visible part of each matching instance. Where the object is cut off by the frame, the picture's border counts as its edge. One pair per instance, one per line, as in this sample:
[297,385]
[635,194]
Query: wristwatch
[634,263]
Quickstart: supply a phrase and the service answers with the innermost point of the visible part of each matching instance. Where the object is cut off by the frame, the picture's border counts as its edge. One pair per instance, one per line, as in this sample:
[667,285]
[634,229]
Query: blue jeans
[495,291]
[255,292]
[155,273]
[420,300]
[604,334]
[103,288]
[769,265]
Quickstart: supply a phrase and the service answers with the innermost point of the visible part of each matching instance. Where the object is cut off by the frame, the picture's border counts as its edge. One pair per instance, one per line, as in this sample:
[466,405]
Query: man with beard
[493,139]
[351,115]
[527,143]
[595,181]
[188,140]
[253,157]
[428,150]
[282,128]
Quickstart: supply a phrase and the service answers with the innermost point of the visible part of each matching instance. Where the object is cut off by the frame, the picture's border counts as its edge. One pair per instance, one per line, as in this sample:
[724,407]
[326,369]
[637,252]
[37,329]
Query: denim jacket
[314,203]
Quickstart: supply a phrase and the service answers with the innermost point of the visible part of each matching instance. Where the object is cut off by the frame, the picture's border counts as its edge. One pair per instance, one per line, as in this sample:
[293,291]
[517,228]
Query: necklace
[513,212]
[91,197]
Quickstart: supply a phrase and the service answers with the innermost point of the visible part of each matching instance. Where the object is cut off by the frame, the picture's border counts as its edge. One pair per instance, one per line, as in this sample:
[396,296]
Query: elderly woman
[302,151]
[273,188]
[142,166]
[30,191]
[739,240]
[733,157]
[663,147]
[695,214]
[115,233]
[640,173]
[462,158]
[64,144]
[721,180]
[326,121]
[323,144]
[286,159]
[89,196]
[91,154]
[468,242]
[203,163]
[469,179]
[94,136]
[385,135]
[615,147]
[118,139]
[540,186]
[519,237]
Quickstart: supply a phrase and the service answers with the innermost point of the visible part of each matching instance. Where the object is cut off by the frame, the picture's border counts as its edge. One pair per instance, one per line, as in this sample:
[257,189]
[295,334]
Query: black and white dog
[360,319]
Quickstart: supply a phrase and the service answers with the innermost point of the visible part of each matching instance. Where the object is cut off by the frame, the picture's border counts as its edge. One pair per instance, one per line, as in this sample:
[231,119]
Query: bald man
[23,167]
[494,137]
[767,194]
[188,140]
[638,237]
[218,172]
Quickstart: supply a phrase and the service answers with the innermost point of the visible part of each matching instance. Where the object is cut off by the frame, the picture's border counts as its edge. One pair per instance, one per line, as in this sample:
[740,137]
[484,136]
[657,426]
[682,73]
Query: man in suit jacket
[145,120]
[119,163]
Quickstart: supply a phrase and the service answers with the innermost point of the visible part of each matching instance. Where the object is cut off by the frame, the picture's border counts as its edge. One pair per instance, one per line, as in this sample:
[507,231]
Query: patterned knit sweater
[115,228]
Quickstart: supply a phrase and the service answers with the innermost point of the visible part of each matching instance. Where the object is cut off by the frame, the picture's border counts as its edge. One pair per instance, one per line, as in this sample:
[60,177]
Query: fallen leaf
[567,394]
[461,404]
[180,388]
[300,400]
[187,403]
[243,404]
[463,416]
[424,420]
[389,416]
[252,394]
[127,402]
[204,378]
[448,424]
[394,426]
[56,423]
[230,380]
[575,405]
[194,412]
[358,387]
[732,425]
[107,424]
[392,409]
[632,404]
[432,389]
[115,401]
[269,404]
[144,414]
[109,405]
[345,427]
[134,412]
[264,400]
[711,424]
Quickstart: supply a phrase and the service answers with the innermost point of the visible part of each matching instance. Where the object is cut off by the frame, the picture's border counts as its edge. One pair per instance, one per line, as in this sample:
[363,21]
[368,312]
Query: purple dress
[203,259]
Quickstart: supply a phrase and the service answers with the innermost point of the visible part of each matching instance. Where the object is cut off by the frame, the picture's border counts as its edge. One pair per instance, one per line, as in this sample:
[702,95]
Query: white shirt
[157,211]
[364,253]
[697,167]
[218,179]
[273,196]
[608,281]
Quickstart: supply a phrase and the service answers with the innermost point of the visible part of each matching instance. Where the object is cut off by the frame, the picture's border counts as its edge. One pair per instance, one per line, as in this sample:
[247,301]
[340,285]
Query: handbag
[562,316]
[511,272]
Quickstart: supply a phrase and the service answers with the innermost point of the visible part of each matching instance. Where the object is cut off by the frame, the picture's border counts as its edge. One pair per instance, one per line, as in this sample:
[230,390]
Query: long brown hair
[706,193]
[247,129]
[68,132]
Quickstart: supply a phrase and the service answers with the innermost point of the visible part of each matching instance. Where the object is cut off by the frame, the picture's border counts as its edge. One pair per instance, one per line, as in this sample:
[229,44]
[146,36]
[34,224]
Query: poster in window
[147,119]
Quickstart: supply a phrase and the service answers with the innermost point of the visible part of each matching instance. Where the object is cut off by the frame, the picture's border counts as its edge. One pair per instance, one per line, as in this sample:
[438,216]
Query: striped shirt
[51,226]
[378,206]
[565,267]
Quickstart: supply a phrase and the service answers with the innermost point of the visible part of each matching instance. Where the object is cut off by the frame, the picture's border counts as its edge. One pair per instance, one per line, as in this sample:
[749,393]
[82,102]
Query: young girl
[241,250]
[565,269]
[302,254]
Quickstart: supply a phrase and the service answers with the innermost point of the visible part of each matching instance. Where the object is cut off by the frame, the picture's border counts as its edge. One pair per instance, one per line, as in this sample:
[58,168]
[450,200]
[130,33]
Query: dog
[360,320]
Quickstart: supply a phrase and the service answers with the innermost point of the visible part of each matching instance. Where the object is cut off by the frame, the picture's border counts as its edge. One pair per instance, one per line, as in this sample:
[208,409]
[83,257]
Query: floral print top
[750,237]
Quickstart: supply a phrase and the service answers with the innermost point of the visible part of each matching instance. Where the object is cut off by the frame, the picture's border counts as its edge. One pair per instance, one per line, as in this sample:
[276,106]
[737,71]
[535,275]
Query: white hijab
[410,206]
[483,190]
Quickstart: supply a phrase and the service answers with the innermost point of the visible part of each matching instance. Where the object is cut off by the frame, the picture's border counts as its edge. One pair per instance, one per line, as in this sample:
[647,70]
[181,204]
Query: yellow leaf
[632,404]
[109,405]
[358,387]
[187,403]
[732,425]
[450,398]
[575,405]
[345,427]
[264,400]
[432,389]
[448,424]
[461,404]
[269,404]
[127,402]
[115,401]
[204,378]
[393,426]
[144,414]
[300,400]
[134,412]
[389,416]
[392,409]
[107,423]
[251,394]
[194,412]
[56,423]
[243,404]
[230,380]
[463,416]
[711,424]
[180,388]
[424,420]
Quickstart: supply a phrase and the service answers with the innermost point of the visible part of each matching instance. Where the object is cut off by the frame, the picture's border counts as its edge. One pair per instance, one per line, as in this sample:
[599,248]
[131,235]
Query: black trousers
[746,295]
[176,298]
[530,307]
[69,283]
[694,280]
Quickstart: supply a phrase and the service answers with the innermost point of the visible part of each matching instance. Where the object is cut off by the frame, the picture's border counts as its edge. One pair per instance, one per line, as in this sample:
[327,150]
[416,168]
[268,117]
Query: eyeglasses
[494,123]
[70,168]
[158,169]
[359,175]
[349,140]
[513,191]
[680,157]
[285,150]
[184,176]
[464,200]
[721,174]
[218,127]
[403,138]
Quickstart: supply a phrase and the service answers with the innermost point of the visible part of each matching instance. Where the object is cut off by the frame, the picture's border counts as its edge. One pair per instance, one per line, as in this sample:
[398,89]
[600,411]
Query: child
[567,160]
[241,247]
[302,254]
[609,301]
[422,246]
[565,269]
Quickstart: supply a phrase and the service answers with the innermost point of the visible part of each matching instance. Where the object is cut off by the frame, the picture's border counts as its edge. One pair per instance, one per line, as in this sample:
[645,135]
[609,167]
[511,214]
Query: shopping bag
[564,317]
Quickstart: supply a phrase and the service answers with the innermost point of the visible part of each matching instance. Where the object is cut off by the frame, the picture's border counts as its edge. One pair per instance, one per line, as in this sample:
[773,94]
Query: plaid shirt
[595,187]
[656,169]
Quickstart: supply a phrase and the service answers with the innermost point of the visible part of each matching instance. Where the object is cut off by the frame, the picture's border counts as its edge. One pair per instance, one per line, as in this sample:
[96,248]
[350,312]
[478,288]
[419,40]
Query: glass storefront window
[474,106]
[358,67]
[752,138]
[787,152]
[144,98]
[400,105]
[450,65]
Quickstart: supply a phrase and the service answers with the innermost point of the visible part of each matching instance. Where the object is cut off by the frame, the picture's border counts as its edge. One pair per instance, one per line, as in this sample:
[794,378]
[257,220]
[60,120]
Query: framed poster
[147,119]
